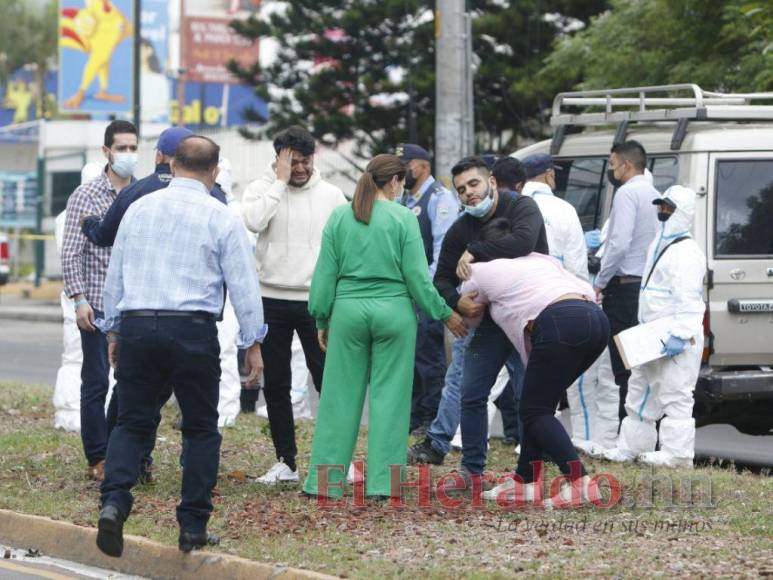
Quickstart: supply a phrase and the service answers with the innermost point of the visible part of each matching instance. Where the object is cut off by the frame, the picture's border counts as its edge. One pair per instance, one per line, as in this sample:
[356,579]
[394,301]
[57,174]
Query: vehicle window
[665,171]
[580,182]
[744,208]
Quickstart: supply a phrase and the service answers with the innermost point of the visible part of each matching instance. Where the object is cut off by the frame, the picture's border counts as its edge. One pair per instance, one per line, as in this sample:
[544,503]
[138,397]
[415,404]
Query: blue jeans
[488,350]
[155,352]
[568,337]
[94,385]
[448,417]
[443,428]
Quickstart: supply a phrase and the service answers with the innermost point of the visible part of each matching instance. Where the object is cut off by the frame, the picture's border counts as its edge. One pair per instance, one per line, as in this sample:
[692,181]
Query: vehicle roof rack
[679,103]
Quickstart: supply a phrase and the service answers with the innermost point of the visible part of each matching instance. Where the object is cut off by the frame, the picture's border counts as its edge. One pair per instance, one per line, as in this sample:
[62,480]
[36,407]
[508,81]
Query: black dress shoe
[110,531]
[194,540]
[424,453]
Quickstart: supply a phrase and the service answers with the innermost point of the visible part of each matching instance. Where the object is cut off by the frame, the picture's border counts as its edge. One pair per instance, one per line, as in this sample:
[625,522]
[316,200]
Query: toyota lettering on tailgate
[749,306]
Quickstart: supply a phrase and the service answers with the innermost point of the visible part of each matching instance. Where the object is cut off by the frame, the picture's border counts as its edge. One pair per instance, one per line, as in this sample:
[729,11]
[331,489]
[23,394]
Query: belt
[167,313]
[624,280]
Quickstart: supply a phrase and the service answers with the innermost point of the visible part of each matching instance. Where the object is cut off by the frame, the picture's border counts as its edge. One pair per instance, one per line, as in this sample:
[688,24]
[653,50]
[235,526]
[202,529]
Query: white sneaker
[580,492]
[262,411]
[618,455]
[456,442]
[279,473]
[664,459]
[518,449]
[509,491]
[354,474]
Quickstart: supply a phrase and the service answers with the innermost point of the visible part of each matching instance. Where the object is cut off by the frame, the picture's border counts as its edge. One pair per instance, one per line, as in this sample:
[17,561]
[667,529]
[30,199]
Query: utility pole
[454,134]
[137,95]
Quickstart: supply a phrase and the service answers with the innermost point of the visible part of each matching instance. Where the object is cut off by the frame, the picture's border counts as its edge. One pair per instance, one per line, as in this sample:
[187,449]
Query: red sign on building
[209,44]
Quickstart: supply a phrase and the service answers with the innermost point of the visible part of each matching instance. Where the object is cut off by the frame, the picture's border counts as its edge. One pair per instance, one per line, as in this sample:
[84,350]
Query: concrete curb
[141,557]
[30,315]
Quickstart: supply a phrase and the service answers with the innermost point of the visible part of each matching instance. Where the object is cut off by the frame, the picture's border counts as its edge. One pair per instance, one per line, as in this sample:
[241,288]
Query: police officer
[436,208]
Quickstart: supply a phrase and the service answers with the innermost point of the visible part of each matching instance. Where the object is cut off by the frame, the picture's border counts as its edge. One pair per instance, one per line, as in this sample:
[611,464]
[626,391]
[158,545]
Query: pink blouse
[517,291]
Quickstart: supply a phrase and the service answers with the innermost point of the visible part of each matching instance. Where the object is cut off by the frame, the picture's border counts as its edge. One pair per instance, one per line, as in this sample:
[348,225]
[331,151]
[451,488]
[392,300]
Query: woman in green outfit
[371,265]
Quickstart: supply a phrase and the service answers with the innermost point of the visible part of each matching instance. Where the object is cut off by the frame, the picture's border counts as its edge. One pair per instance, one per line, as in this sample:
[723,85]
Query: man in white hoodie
[288,208]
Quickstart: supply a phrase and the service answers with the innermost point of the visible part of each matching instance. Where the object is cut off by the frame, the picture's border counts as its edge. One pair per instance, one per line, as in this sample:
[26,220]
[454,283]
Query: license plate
[737,306]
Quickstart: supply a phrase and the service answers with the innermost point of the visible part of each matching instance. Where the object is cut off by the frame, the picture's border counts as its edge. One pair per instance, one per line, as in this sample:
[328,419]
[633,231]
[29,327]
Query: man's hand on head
[284,165]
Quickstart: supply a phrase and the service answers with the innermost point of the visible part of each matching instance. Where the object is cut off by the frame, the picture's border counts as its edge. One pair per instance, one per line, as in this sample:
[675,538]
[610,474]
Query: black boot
[194,540]
[110,531]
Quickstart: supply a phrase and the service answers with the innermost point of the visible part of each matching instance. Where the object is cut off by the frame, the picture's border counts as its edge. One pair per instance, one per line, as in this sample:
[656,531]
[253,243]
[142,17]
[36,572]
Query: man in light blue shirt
[174,251]
[436,208]
[632,227]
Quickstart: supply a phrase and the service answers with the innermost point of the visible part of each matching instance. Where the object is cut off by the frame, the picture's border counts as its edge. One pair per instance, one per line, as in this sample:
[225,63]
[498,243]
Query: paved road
[18,566]
[30,351]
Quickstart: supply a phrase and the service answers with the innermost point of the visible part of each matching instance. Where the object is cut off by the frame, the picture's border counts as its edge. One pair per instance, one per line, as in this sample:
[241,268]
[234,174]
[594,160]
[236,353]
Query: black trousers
[429,373]
[155,352]
[568,336]
[283,318]
[621,305]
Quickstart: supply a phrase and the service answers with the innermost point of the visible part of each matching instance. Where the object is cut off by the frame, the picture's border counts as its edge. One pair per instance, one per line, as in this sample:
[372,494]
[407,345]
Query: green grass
[725,529]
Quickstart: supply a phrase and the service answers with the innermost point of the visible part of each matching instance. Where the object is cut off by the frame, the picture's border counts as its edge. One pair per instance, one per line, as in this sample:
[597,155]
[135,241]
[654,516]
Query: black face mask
[663,216]
[612,179]
[410,180]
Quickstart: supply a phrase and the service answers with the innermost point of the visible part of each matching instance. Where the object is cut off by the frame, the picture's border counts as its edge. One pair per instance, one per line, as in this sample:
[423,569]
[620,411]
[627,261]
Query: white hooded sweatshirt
[289,222]
[675,288]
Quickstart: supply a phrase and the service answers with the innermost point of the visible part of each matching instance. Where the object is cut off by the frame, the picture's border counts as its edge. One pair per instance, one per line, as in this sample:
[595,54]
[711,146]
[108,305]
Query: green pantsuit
[361,292]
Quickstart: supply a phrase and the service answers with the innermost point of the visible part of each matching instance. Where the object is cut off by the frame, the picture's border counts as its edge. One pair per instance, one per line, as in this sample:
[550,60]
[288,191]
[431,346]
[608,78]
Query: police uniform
[436,208]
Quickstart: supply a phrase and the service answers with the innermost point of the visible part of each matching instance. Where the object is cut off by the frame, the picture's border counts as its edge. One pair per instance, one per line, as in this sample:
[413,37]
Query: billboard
[154,56]
[95,56]
[208,45]
[210,105]
[18,199]
[19,99]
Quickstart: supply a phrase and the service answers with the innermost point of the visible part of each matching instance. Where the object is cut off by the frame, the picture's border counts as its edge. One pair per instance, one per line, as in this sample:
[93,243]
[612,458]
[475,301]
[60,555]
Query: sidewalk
[19,301]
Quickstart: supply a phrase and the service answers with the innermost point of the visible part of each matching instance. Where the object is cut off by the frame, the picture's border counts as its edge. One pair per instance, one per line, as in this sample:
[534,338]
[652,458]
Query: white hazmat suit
[672,289]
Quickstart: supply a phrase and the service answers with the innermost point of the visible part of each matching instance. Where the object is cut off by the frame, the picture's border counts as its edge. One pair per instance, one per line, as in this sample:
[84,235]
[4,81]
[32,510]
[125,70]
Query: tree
[637,43]
[365,70]
[28,36]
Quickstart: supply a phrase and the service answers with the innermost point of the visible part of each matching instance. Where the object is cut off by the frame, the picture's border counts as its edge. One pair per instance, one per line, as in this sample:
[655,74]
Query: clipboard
[644,343]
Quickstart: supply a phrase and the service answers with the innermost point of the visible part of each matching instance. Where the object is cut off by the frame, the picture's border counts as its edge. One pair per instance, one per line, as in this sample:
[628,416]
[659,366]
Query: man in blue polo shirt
[436,208]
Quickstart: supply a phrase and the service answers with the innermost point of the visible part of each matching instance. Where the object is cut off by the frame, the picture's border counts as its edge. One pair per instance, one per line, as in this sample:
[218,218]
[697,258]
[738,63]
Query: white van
[721,146]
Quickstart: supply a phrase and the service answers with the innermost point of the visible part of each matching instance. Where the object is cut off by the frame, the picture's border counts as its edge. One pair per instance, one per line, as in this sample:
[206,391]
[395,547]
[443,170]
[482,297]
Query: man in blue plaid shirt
[84,266]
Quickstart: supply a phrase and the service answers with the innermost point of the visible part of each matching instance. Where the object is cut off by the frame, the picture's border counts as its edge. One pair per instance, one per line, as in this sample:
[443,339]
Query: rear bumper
[742,385]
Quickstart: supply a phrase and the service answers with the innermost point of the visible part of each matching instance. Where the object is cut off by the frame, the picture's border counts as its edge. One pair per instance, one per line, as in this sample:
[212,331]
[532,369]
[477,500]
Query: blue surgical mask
[480,210]
[123,164]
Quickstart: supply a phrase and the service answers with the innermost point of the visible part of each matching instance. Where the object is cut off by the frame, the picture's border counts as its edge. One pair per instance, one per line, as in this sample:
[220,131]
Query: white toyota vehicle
[720,145]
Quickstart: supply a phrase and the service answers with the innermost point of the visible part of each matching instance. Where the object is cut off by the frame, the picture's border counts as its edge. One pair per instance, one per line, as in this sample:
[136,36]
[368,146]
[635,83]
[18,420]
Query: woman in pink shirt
[552,319]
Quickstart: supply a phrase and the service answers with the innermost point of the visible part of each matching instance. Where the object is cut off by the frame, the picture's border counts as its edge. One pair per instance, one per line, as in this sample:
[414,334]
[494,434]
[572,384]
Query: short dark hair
[296,138]
[508,172]
[117,127]
[197,153]
[494,230]
[471,162]
[632,151]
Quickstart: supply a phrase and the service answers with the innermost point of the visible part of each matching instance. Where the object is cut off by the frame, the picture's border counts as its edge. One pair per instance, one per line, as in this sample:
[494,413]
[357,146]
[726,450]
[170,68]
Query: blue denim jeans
[94,385]
[442,429]
[488,350]
[155,352]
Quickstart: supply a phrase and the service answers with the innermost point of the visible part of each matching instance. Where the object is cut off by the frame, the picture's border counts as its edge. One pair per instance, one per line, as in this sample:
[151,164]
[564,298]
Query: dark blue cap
[537,164]
[408,151]
[170,138]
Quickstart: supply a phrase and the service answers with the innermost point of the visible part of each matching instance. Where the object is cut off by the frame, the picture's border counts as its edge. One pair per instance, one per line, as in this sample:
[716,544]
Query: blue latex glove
[674,346]
[593,239]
